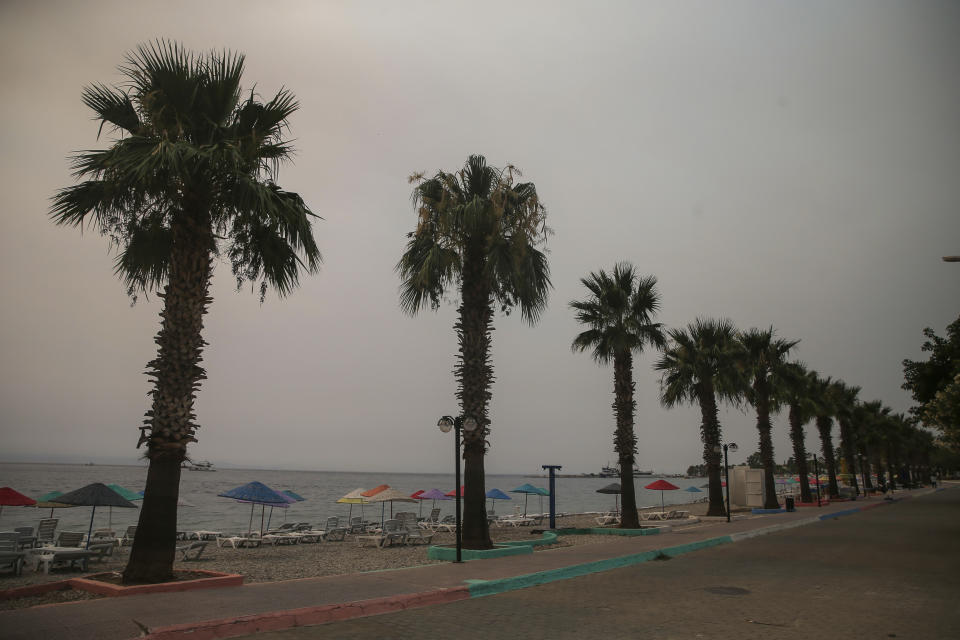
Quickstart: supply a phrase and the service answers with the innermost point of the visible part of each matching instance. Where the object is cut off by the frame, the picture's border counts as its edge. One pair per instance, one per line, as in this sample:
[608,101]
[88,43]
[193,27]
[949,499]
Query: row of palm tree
[708,362]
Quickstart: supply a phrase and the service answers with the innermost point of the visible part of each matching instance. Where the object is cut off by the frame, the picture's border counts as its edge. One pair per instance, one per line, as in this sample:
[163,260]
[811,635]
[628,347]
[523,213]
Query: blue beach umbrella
[258,493]
[693,490]
[527,489]
[294,496]
[496,494]
[95,495]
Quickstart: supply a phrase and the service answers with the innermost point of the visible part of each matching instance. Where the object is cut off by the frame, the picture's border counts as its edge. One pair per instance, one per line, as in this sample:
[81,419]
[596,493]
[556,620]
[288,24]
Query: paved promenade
[233,612]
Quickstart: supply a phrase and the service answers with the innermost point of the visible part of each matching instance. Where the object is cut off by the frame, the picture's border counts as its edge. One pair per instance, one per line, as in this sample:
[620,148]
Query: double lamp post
[726,469]
[468,424]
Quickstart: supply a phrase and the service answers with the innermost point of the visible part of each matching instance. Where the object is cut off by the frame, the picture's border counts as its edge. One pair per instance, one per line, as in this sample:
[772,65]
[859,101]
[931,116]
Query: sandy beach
[271,563]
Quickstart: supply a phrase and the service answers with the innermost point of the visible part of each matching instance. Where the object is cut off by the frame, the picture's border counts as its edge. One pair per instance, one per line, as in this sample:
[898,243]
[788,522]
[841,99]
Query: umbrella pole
[350,515]
[263,509]
[525,496]
[271,517]
[383,508]
[250,524]
[90,530]
[661,502]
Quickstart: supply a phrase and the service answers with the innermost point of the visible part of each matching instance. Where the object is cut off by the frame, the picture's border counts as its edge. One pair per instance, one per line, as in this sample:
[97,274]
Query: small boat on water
[201,465]
[614,472]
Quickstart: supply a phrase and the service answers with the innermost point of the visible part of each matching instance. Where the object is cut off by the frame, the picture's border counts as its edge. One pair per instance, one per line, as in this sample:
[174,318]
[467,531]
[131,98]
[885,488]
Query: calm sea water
[320,488]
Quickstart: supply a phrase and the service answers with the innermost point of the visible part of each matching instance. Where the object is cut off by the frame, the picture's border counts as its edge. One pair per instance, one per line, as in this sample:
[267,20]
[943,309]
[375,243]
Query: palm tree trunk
[710,435]
[824,425]
[177,375]
[766,445]
[475,375]
[800,453]
[865,468]
[847,446]
[625,439]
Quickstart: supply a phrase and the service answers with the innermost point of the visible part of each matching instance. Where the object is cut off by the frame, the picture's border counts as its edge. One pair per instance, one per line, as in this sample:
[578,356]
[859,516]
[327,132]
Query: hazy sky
[794,164]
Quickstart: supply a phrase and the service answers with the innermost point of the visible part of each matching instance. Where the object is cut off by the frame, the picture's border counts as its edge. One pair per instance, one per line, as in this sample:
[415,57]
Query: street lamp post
[816,470]
[726,469]
[468,424]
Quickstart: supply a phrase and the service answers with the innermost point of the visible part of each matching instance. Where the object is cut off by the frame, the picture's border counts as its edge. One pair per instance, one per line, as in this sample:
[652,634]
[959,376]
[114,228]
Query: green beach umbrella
[47,501]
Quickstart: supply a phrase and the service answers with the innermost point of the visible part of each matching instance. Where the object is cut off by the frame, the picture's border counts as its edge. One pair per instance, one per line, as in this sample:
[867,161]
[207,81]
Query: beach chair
[46,531]
[448,523]
[392,533]
[333,532]
[430,521]
[10,557]
[610,517]
[191,551]
[70,538]
[27,539]
[414,533]
[104,550]
[238,542]
[128,535]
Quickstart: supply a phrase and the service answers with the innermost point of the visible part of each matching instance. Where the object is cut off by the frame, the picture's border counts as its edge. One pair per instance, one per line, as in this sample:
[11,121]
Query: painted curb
[278,620]
[480,588]
[499,551]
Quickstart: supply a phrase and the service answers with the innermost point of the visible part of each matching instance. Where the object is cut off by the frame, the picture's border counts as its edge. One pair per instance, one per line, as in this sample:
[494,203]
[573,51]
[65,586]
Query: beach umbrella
[291,497]
[354,497]
[433,494]
[693,490]
[369,493]
[612,489]
[496,494]
[391,496]
[13,498]
[661,486]
[257,493]
[46,501]
[528,489]
[126,493]
[453,492]
[95,495]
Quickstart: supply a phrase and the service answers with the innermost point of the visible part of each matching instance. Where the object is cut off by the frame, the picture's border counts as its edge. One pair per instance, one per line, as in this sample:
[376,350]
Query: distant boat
[202,465]
[614,472]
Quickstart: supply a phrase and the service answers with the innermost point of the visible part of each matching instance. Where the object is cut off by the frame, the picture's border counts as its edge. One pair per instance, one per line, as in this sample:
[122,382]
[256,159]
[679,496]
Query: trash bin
[788,503]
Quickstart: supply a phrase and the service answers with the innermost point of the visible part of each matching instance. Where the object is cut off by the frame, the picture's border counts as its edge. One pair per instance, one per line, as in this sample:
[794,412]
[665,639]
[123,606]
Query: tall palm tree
[619,313]
[764,359]
[480,231]
[802,410]
[188,178]
[821,388]
[872,439]
[844,405]
[700,366]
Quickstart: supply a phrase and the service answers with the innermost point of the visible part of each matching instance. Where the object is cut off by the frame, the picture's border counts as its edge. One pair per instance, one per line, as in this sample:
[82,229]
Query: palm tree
[844,405]
[802,409]
[763,357]
[619,313]
[872,440]
[477,230]
[699,366]
[189,177]
[823,399]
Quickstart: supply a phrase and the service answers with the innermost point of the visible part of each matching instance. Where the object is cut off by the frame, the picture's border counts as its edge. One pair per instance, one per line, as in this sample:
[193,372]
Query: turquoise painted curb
[480,588]
[499,551]
[549,537]
[652,531]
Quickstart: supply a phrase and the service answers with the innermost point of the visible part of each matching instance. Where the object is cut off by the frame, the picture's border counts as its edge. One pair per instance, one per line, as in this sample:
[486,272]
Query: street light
[468,424]
[726,469]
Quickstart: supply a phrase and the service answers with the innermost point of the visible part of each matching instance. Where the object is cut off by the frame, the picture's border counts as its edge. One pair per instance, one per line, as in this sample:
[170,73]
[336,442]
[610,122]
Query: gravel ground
[269,563]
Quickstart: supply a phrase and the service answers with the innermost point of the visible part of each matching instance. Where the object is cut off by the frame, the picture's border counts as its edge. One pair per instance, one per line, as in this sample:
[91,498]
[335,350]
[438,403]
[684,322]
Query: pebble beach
[272,563]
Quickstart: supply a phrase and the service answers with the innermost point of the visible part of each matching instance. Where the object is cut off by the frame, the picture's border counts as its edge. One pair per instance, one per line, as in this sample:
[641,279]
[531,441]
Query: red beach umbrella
[416,496]
[369,493]
[453,492]
[13,498]
[661,486]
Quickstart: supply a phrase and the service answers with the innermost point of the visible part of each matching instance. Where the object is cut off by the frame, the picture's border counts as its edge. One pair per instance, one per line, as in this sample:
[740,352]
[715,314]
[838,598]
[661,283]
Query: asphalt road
[891,572]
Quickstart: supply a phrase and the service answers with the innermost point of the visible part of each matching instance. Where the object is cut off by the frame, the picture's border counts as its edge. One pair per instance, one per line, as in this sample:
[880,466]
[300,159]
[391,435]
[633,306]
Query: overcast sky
[794,164]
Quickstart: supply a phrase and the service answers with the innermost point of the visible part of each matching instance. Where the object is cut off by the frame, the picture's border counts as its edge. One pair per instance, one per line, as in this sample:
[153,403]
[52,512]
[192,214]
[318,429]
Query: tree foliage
[935,383]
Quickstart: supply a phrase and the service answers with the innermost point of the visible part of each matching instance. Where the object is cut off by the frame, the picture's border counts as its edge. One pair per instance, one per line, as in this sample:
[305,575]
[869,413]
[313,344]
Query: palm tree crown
[191,149]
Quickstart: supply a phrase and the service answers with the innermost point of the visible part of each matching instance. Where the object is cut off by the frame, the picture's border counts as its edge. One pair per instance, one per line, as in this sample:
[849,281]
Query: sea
[204,509]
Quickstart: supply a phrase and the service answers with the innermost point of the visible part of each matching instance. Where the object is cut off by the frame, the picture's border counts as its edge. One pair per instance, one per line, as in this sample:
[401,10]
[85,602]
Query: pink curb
[278,620]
